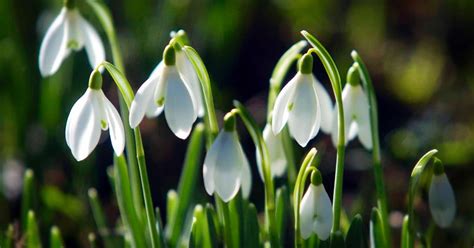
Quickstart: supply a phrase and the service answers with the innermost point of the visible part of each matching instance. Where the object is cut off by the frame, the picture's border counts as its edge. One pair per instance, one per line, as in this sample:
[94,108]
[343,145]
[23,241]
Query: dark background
[419,53]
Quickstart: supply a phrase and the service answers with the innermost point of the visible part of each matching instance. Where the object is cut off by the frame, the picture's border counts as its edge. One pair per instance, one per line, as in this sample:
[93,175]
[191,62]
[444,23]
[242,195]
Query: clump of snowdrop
[226,168]
[316,209]
[304,104]
[356,111]
[69,32]
[92,113]
[441,197]
[173,87]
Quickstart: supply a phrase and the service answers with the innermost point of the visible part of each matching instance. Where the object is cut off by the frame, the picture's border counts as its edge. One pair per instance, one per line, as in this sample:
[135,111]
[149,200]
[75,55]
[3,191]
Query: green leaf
[8,239]
[187,183]
[124,199]
[32,233]
[377,238]
[92,240]
[27,197]
[283,211]
[405,232]
[172,199]
[235,214]
[121,82]
[159,227]
[99,217]
[210,118]
[251,231]
[213,224]
[337,240]
[355,237]
[55,239]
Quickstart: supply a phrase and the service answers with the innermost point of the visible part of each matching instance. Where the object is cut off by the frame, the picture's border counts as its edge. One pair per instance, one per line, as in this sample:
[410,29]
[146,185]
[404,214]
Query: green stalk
[55,240]
[335,79]
[99,217]
[257,138]
[278,75]
[105,18]
[27,197]
[227,233]
[376,153]
[150,215]
[32,231]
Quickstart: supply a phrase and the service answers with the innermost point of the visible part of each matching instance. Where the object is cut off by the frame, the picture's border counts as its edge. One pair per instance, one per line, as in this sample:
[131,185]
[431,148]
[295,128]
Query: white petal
[349,128]
[229,166]
[442,201]
[276,151]
[93,43]
[323,222]
[210,164]
[154,109]
[307,212]
[190,78]
[246,179]
[362,117]
[179,109]
[54,48]
[305,117]
[326,107]
[83,127]
[117,135]
[141,102]
[280,111]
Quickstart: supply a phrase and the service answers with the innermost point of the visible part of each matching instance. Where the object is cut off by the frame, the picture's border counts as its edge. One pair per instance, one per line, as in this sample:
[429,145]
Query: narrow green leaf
[8,241]
[92,240]
[187,184]
[313,241]
[405,232]
[32,233]
[55,239]
[283,212]
[235,214]
[172,199]
[193,238]
[124,198]
[159,227]
[355,237]
[337,240]
[213,224]
[252,230]
[377,238]
[99,218]
[27,197]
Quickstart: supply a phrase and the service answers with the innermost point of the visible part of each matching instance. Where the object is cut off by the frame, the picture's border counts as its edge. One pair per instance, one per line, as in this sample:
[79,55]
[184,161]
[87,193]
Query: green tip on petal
[353,75]
[229,122]
[169,56]
[438,167]
[316,178]
[306,64]
[95,80]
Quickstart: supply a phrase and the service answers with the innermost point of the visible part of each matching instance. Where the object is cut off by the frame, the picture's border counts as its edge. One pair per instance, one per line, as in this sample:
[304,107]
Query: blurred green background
[419,53]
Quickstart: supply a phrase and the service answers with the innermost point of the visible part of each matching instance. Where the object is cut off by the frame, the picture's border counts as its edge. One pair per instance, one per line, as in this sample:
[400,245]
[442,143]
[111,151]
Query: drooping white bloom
[316,212]
[174,88]
[278,162]
[226,168]
[69,32]
[441,200]
[356,116]
[92,113]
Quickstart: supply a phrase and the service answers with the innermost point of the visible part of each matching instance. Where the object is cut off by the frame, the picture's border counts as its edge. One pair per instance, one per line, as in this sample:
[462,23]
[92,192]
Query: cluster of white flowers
[174,87]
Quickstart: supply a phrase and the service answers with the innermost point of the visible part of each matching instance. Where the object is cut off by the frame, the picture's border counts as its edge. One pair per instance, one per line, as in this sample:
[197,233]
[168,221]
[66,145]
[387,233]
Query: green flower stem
[257,138]
[278,75]
[105,18]
[335,79]
[227,232]
[413,188]
[27,197]
[376,152]
[150,215]
[303,173]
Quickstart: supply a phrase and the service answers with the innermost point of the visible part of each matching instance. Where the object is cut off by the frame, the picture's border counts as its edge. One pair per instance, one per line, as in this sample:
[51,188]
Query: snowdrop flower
[441,197]
[226,168]
[304,104]
[278,160]
[69,32]
[92,113]
[356,112]
[174,87]
[316,209]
